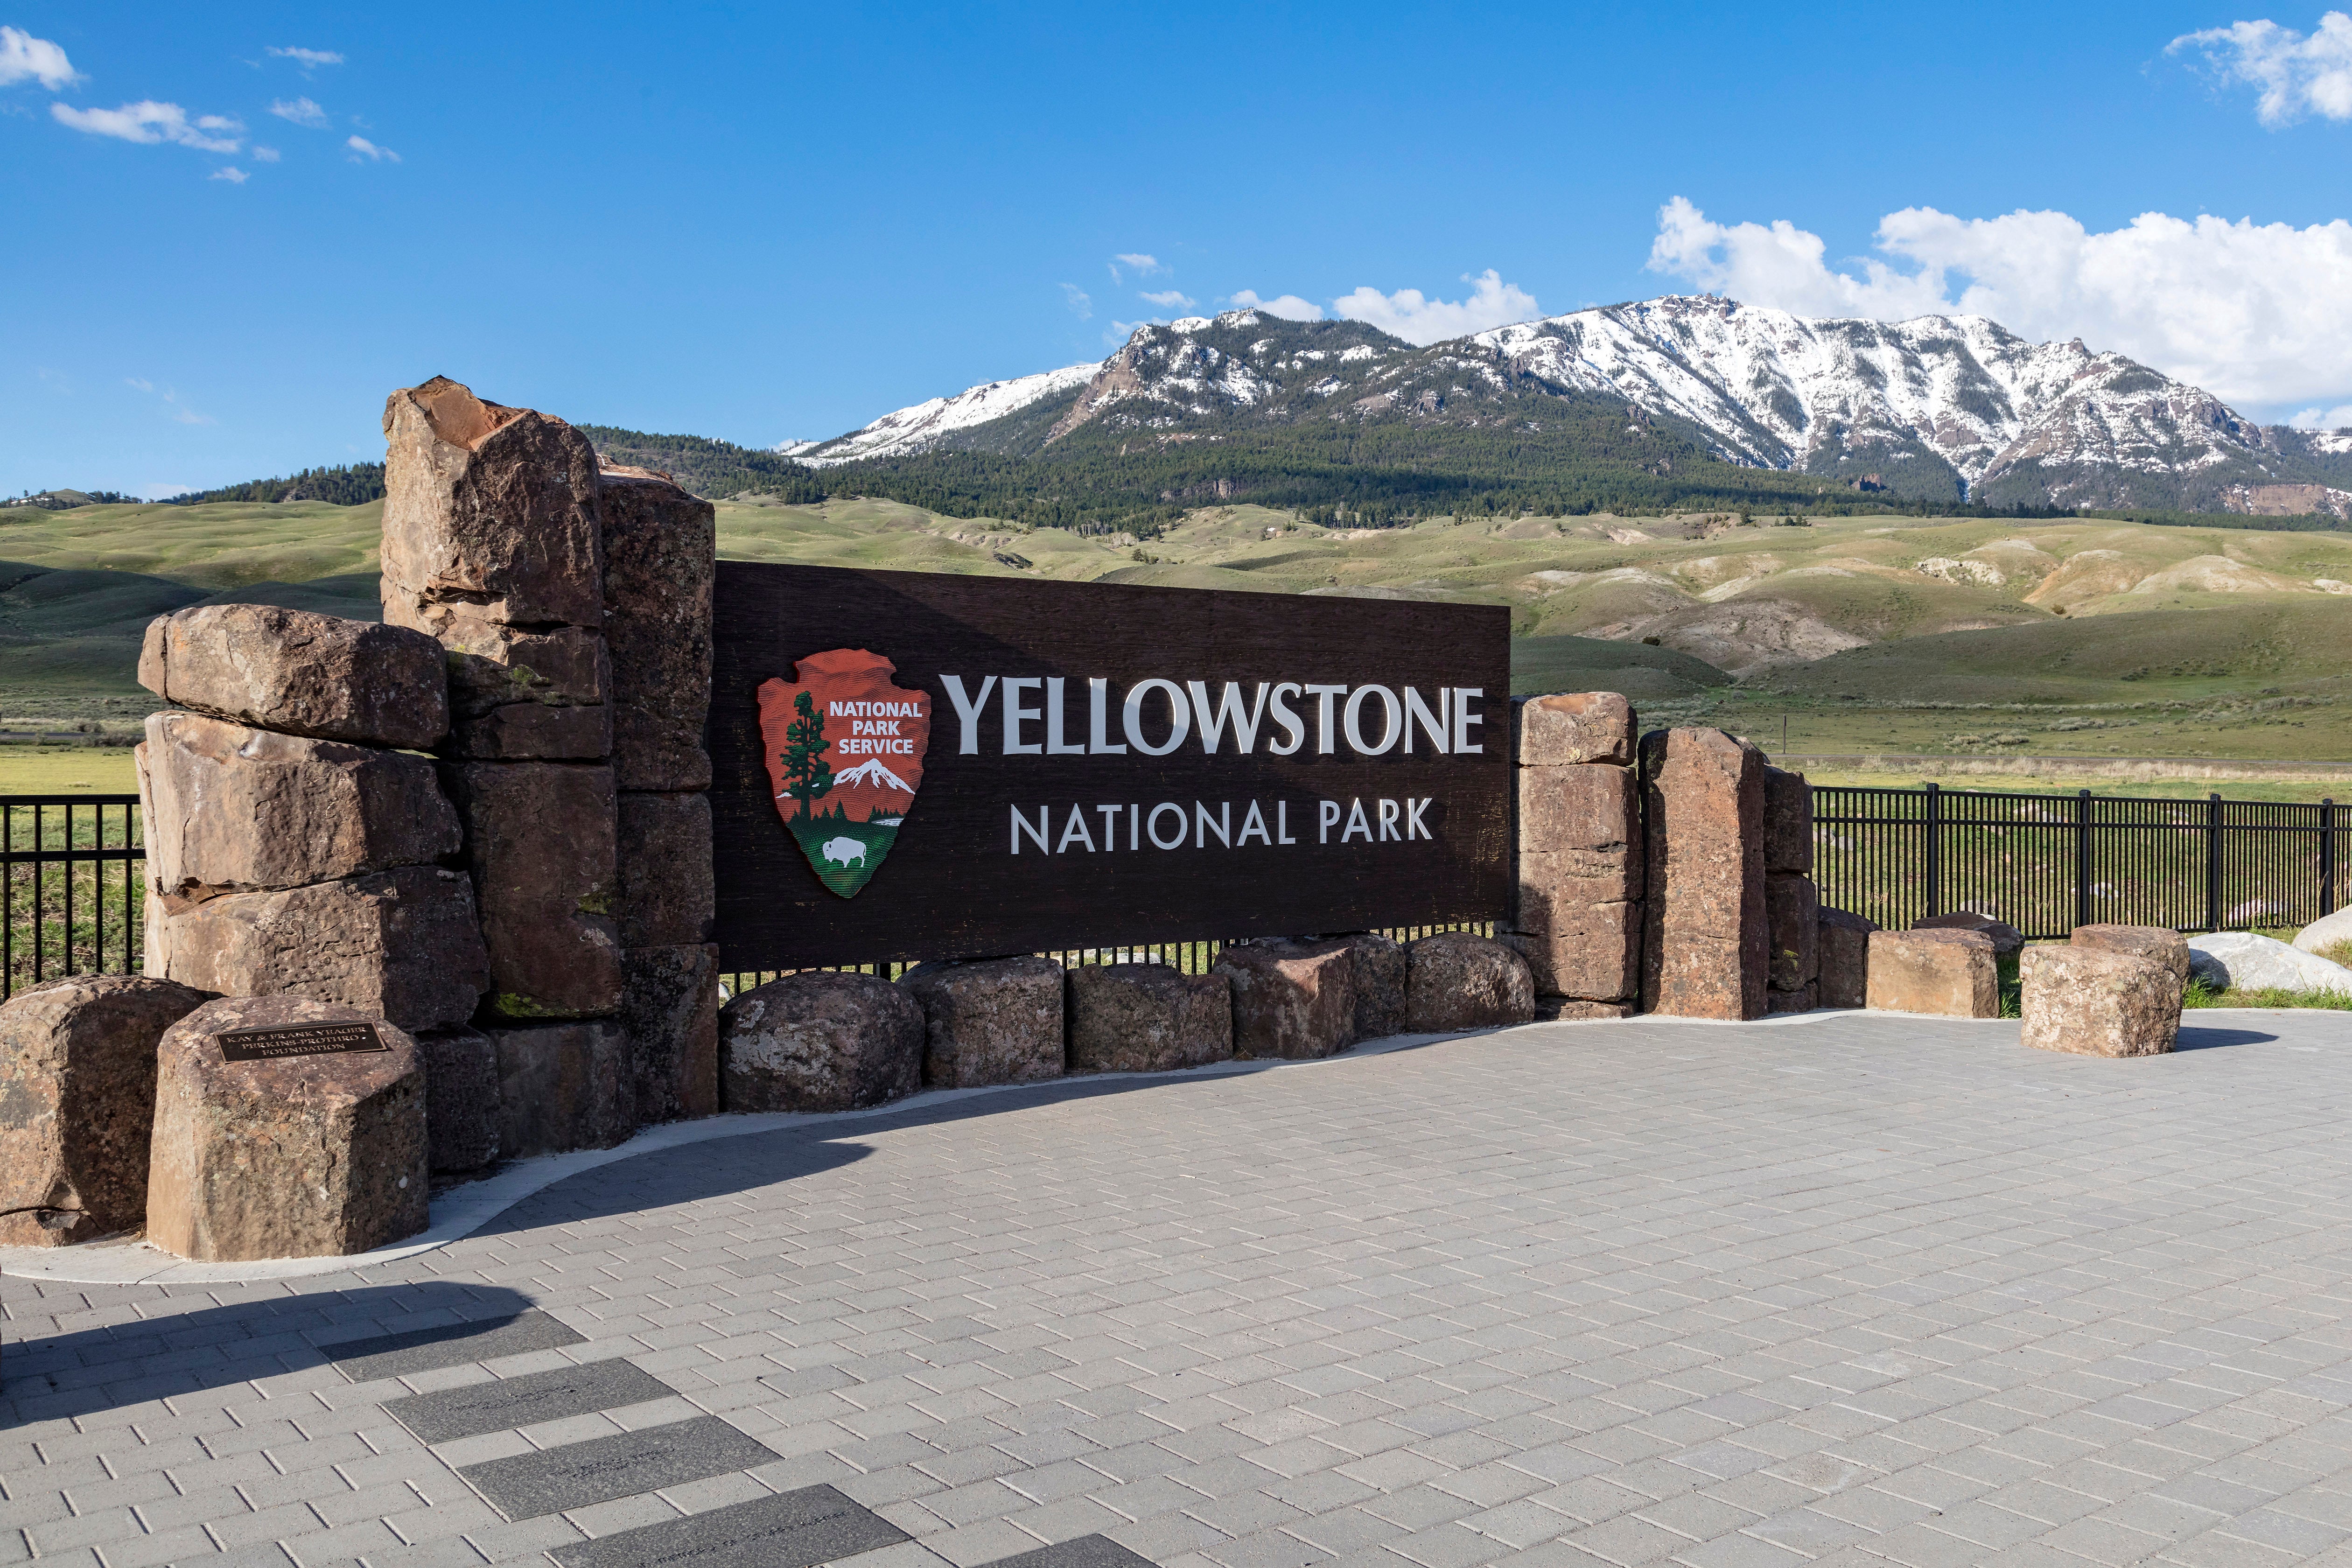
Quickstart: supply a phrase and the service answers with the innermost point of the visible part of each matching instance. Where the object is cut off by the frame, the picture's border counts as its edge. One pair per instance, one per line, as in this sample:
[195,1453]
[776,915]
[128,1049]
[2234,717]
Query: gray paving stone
[450,1344]
[553,1480]
[508,1403]
[789,1530]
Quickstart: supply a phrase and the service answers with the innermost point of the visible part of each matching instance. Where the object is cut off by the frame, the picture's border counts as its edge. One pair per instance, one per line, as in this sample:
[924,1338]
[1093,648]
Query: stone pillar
[1576,904]
[494,546]
[661,548]
[1704,943]
[291,850]
[1792,902]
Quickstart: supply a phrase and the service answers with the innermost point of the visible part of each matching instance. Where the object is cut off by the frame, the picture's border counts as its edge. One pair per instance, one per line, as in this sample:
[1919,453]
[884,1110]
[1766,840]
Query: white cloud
[2258,313]
[1288,307]
[307,58]
[233,174]
[140,383]
[362,148]
[2298,73]
[1169,299]
[180,412]
[300,111]
[148,121]
[24,58]
[2322,418]
[1080,302]
[265,154]
[1408,315]
[1144,266]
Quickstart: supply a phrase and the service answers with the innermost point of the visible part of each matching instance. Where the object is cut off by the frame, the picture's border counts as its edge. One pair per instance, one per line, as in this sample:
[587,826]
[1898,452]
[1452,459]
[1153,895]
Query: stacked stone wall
[1577,871]
[1792,903]
[1705,945]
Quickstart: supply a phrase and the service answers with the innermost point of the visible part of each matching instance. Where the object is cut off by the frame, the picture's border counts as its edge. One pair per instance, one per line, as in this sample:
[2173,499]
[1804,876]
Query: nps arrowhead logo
[844,758]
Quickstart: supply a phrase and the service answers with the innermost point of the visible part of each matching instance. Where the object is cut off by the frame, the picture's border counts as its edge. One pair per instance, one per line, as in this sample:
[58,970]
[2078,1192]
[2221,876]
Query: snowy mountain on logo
[872,772]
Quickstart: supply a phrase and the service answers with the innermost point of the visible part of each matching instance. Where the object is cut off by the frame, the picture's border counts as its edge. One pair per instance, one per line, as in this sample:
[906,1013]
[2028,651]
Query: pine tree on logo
[803,754]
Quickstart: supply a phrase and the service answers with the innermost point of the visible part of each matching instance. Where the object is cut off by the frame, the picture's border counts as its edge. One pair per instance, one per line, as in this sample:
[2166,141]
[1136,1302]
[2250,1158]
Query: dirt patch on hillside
[1743,635]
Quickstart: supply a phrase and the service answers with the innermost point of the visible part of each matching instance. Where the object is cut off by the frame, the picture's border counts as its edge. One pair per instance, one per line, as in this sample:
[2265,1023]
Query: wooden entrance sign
[909,765]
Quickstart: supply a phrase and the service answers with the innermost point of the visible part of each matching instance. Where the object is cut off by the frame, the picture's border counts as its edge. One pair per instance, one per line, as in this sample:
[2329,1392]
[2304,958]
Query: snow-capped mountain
[872,772]
[1934,407]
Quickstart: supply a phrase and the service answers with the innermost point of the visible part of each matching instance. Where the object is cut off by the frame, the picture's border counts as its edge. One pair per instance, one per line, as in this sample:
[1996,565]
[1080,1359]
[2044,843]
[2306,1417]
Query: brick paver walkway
[1853,1291]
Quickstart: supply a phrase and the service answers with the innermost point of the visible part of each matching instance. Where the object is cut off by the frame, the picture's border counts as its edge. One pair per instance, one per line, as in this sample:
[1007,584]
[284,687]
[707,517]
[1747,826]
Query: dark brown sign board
[1093,765]
[276,1041]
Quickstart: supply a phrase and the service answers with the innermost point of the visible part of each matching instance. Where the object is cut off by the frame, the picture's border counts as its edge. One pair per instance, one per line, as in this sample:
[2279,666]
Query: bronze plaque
[276,1041]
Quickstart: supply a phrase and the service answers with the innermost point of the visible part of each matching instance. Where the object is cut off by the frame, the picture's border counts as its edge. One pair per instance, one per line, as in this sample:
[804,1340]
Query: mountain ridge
[1935,409]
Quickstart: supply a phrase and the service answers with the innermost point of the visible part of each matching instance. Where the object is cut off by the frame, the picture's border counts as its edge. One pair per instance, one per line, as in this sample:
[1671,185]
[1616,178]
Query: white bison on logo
[845,850]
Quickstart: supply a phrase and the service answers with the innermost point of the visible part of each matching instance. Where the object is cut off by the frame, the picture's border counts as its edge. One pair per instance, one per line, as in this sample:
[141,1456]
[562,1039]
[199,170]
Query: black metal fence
[74,865]
[2048,863]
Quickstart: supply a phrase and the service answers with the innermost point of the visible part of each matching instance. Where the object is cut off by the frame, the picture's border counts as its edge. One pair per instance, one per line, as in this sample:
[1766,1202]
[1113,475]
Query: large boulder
[2008,941]
[1294,999]
[997,1020]
[523,694]
[401,945]
[2097,1001]
[461,1098]
[563,1087]
[1843,940]
[1459,981]
[820,1041]
[1704,940]
[1575,913]
[1788,822]
[2240,961]
[1793,909]
[1380,970]
[2162,943]
[661,549]
[1147,1017]
[292,1157]
[78,1102]
[669,1008]
[230,809]
[1949,973]
[2325,933]
[300,673]
[540,842]
[1572,727]
[489,513]
[667,896]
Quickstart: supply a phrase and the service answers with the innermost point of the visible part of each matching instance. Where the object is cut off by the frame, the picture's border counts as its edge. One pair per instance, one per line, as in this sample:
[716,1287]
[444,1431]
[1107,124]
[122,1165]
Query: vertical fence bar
[2327,855]
[2214,862]
[2083,859]
[1935,849]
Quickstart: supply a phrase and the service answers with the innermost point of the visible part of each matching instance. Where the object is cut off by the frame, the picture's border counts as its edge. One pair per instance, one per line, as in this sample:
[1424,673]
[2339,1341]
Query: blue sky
[766,222]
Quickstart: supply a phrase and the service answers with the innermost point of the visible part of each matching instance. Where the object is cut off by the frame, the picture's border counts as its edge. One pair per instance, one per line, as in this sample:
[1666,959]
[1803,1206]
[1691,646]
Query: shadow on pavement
[2204,1038]
[169,1356]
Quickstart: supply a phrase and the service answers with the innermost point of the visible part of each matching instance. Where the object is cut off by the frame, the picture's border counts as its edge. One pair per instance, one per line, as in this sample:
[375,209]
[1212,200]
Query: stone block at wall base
[562,1086]
[297,1157]
[1380,970]
[1946,972]
[401,944]
[1794,915]
[818,1041]
[300,674]
[998,1020]
[539,844]
[1576,1010]
[2095,1002]
[1147,1017]
[461,1098]
[1843,939]
[78,1102]
[1291,999]
[1799,1000]
[1459,981]
[667,897]
[1599,960]
[233,809]
[671,1010]
[661,549]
